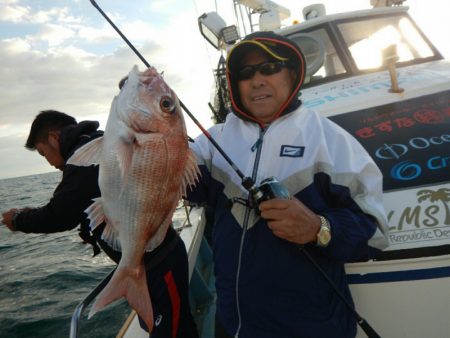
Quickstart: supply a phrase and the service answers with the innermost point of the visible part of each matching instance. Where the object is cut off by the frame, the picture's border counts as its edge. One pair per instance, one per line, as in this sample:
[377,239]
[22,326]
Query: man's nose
[258,79]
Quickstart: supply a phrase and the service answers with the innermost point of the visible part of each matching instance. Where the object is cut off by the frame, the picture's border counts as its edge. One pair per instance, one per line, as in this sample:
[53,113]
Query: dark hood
[277,47]
[74,136]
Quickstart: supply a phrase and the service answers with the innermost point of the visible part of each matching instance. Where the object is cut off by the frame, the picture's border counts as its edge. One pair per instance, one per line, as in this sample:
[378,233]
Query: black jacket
[65,210]
[79,185]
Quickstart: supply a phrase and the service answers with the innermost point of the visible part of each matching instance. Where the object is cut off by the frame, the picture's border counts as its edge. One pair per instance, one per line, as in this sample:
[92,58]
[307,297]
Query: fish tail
[132,286]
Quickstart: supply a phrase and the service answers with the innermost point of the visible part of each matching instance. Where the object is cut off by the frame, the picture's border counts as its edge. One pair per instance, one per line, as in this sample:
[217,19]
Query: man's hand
[7,218]
[291,220]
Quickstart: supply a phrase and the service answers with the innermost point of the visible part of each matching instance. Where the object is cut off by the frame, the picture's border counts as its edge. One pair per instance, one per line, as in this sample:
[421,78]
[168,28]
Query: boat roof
[342,16]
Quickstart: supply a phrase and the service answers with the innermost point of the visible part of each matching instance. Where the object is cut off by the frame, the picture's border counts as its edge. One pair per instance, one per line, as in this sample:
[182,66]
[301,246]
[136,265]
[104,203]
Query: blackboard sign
[409,140]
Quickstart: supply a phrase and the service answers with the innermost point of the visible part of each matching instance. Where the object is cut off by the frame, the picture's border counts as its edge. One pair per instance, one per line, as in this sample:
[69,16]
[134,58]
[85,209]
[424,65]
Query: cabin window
[367,40]
[330,62]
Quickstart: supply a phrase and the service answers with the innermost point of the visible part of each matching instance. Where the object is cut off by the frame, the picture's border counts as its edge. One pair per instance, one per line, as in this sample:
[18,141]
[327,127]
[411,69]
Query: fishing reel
[269,188]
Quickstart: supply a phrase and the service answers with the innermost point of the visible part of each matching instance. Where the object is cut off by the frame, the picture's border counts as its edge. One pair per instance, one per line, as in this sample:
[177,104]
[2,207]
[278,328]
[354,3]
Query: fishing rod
[270,188]
[246,181]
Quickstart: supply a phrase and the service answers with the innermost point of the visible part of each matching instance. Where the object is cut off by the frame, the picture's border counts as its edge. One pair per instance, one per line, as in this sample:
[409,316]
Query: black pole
[120,33]
[247,182]
[365,326]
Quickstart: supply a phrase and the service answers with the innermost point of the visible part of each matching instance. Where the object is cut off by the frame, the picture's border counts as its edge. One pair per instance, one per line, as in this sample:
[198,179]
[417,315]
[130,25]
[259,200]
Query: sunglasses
[265,68]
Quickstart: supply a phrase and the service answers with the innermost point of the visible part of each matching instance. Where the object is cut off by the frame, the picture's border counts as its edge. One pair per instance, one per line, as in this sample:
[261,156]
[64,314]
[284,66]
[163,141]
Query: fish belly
[139,207]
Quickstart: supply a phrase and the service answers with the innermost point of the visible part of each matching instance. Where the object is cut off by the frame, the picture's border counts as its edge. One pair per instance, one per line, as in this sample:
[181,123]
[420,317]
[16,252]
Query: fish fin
[191,172]
[110,236]
[88,154]
[133,286]
[95,213]
[97,217]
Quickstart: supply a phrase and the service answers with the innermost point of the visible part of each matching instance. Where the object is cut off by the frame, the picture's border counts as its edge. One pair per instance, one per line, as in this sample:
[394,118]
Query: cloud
[100,35]
[20,161]
[69,60]
[12,12]
[55,34]
[70,63]
[67,79]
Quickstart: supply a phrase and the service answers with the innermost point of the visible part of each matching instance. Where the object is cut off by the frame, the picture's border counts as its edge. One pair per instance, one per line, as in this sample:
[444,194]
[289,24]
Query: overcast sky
[63,55]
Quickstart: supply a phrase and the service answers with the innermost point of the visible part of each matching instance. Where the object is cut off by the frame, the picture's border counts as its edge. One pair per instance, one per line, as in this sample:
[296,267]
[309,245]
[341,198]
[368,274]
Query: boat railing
[201,285]
[76,317]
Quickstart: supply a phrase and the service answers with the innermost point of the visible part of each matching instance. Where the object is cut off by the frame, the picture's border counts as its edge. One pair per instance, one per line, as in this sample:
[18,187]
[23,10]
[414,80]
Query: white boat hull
[403,298]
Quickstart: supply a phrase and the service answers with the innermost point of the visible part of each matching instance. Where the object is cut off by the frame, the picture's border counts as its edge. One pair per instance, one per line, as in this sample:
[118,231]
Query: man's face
[263,95]
[50,150]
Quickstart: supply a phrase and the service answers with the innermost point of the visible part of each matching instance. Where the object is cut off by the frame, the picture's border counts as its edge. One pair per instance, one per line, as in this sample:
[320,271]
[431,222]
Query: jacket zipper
[258,147]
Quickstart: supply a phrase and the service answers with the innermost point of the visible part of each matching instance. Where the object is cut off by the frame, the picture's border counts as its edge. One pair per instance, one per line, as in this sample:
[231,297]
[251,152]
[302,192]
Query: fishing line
[246,182]
[363,323]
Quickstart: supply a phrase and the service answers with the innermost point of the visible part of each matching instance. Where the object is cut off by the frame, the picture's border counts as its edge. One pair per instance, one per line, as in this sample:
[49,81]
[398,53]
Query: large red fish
[145,166]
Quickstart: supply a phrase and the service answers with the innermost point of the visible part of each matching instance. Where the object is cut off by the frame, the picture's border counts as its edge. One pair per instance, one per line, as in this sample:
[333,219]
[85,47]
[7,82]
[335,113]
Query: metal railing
[75,323]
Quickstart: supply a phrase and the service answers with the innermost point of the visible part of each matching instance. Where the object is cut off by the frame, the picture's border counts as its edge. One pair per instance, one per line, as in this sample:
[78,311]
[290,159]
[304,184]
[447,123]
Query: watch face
[324,237]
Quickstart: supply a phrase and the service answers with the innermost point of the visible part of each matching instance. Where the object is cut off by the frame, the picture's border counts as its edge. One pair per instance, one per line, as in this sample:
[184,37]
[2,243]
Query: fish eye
[167,105]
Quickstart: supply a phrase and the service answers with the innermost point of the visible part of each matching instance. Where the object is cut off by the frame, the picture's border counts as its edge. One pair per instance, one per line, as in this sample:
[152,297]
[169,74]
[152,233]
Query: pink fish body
[145,166]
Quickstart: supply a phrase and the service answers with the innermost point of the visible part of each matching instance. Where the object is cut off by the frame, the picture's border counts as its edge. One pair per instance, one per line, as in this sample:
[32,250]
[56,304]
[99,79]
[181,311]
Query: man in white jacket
[266,286]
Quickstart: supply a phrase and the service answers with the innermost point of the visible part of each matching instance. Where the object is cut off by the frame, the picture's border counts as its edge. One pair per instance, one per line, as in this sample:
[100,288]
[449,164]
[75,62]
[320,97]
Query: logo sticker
[291,151]
[158,320]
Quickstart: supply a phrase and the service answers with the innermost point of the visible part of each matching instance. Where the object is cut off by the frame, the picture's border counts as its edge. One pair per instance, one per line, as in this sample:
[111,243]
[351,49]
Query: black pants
[168,283]
[219,331]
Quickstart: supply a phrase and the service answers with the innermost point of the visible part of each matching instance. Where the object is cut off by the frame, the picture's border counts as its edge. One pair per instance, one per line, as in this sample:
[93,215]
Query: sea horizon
[45,276]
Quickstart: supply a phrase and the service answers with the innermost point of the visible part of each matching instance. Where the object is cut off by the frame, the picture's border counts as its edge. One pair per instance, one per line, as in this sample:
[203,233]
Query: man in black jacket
[56,136]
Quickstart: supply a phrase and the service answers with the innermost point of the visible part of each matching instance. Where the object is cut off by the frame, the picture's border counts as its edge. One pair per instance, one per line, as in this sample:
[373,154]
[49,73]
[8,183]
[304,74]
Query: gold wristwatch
[324,234]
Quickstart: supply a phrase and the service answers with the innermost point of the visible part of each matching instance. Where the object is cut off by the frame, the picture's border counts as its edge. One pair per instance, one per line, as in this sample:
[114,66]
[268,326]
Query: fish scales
[145,165]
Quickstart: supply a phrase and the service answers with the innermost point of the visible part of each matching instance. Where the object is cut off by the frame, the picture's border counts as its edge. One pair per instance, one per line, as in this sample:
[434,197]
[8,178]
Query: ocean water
[43,277]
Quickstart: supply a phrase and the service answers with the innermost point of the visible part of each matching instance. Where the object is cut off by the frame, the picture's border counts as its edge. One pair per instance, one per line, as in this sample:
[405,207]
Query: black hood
[277,47]
[74,136]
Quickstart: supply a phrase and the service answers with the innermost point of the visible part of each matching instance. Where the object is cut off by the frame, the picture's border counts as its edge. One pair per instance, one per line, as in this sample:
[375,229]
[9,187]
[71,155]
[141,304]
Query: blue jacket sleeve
[351,230]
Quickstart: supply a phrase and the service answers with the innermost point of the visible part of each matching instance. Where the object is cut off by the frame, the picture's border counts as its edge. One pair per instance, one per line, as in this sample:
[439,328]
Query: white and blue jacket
[266,287]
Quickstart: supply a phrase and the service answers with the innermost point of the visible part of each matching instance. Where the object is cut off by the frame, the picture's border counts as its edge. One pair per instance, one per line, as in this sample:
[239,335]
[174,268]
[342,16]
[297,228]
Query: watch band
[324,234]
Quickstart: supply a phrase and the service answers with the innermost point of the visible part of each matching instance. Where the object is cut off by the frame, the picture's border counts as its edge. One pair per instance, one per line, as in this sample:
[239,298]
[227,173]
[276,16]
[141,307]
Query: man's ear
[294,76]
[53,138]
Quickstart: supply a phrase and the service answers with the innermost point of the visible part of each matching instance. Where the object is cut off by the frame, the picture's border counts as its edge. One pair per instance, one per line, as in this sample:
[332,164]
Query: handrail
[74,324]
